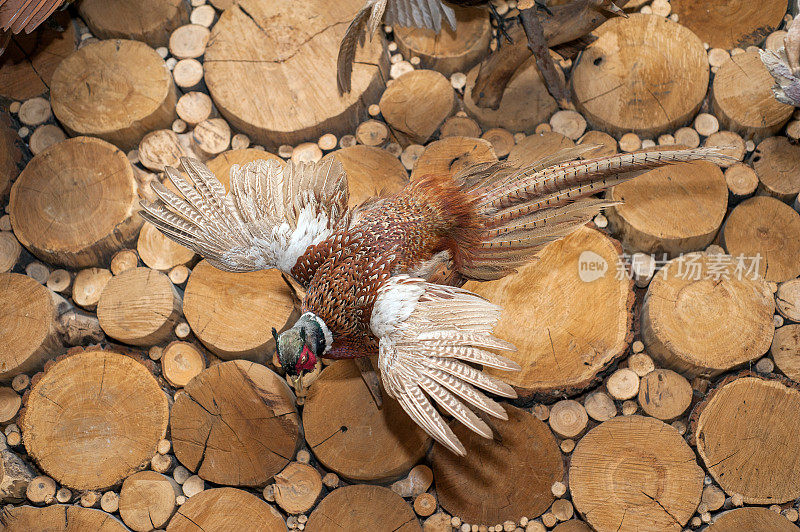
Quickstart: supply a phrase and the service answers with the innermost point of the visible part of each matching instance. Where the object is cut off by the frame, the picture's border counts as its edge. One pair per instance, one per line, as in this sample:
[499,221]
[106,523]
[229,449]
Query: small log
[600,406]
[777,163]
[117,90]
[568,418]
[37,271]
[10,251]
[10,402]
[139,307]
[669,210]
[124,260]
[630,142]
[240,301]
[713,498]
[222,163]
[192,486]
[741,180]
[706,124]
[568,123]
[689,298]
[449,51]
[235,423]
[411,155]
[744,433]
[307,152]
[751,518]
[297,488]
[730,23]
[371,172]
[59,518]
[573,525]
[635,451]
[181,362]
[524,103]
[28,326]
[211,137]
[730,144]
[109,502]
[60,282]
[150,21]
[189,41]
[415,105]
[623,384]
[664,394]
[350,435]
[742,100]
[20,382]
[688,137]
[194,107]
[147,500]
[34,112]
[641,363]
[69,227]
[451,155]
[212,510]
[561,352]
[90,499]
[159,149]
[785,350]
[41,490]
[363,507]
[535,147]
[328,141]
[159,252]
[247,56]
[619,87]
[764,230]
[130,429]
[203,15]
[425,504]
[188,74]
[89,284]
[372,133]
[460,126]
[788,299]
[502,141]
[528,453]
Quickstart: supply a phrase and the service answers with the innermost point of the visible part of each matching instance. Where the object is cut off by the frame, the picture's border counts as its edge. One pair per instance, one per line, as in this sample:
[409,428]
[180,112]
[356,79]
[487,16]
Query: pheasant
[382,277]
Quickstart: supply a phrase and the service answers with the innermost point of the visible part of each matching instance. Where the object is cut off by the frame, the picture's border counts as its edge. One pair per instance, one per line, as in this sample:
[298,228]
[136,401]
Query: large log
[236,423]
[93,418]
[117,90]
[226,509]
[150,21]
[632,470]
[620,86]
[350,435]
[503,478]
[232,313]
[730,23]
[58,518]
[285,54]
[751,518]
[371,172]
[90,210]
[577,325]
[702,317]
[363,507]
[672,210]
[745,432]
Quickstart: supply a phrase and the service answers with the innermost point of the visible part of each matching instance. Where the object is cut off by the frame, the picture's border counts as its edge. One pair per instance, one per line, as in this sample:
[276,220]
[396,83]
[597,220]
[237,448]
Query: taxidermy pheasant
[378,277]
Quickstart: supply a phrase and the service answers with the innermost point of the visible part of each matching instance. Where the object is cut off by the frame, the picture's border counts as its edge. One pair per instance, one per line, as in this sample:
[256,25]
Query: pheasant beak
[297,384]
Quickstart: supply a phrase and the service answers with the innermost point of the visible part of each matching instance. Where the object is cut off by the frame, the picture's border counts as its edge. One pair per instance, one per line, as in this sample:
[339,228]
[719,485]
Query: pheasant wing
[426,14]
[428,334]
[268,219]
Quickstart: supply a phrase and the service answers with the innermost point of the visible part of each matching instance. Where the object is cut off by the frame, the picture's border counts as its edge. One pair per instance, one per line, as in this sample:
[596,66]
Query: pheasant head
[300,347]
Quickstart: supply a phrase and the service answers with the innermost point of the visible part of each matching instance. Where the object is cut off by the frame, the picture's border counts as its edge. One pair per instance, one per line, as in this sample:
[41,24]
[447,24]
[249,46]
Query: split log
[147,500]
[189,41]
[28,327]
[139,307]
[730,24]
[150,21]
[221,509]
[10,251]
[159,252]
[538,146]
[785,350]
[765,228]
[479,494]
[117,90]
[236,423]
[159,149]
[620,87]
[240,301]
[742,100]
[255,48]
[777,163]
[58,518]
[91,210]
[664,394]
[222,163]
[502,140]
[788,299]
[94,443]
[194,107]
[672,210]
[451,155]
[15,476]
[89,284]
[415,105]
[371,172]
[350,435]
[525,102]
[30,60]
[560,351]
[460,126]
[741,180]
[644,468]
[181,362]
[449,51]
[363,507]
[745,435]
[702,317]
[297,488]
[751,518]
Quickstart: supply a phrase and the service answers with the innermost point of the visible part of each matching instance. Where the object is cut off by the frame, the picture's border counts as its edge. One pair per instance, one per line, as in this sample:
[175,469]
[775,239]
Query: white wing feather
[268,219]
[427,332]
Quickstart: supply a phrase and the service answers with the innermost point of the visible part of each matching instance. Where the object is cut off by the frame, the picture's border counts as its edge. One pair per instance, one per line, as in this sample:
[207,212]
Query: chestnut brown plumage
[19,15]
[377,276]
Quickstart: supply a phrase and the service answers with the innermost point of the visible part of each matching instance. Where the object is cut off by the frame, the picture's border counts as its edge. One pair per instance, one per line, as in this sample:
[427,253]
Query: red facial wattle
[307,360]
